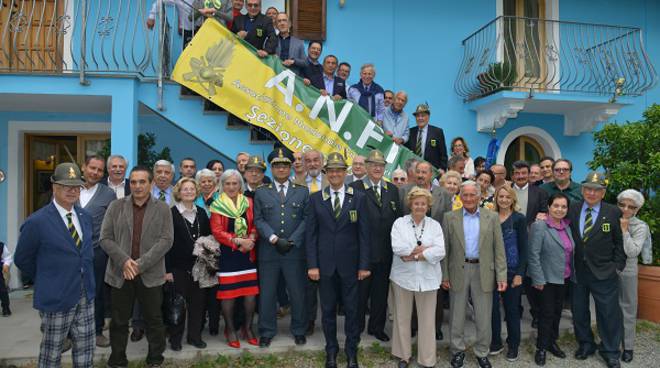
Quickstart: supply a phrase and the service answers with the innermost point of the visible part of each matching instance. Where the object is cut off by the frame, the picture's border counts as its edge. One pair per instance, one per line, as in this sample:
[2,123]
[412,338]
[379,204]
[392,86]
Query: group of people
[234,243]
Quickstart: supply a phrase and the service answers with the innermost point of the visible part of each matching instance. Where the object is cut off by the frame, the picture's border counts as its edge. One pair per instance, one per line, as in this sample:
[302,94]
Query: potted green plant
[498,76]
[630,154]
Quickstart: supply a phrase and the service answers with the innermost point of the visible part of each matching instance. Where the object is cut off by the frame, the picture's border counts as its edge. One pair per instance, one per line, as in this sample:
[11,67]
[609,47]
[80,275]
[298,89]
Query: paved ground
[20,344]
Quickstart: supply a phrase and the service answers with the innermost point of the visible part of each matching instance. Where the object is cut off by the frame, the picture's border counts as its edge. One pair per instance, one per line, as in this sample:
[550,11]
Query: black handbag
[174,306]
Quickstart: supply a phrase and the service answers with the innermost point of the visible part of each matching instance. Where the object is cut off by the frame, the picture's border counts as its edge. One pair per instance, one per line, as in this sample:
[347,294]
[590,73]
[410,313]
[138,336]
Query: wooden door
[525,40]
[31,35]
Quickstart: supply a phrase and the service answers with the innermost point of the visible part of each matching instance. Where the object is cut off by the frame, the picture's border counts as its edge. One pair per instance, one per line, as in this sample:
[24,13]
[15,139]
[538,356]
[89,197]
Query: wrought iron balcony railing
[540,55]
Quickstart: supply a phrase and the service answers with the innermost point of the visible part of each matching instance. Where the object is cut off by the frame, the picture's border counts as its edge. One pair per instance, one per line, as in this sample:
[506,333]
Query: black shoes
[330,360]
[512,354]
[198,344]
[584,351]
[495,349]
[6,312]
[402,364]
[457,360]
[555,350]
[300,340]
[351,361]
[484,362]
[539,358]
[137,334]
[175,346]
[264,342]
[612,363]
[627,356]
[380,335]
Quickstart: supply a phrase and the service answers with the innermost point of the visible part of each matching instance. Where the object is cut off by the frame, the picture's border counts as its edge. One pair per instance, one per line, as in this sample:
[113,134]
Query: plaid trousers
[78,322]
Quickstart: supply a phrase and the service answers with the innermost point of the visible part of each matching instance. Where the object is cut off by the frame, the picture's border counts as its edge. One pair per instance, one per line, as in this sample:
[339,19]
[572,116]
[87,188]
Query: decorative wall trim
[544,138]
[585,120]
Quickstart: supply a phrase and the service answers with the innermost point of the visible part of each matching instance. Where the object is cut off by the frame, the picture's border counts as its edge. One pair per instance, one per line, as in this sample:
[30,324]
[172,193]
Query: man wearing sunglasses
[561,172]
[257,29]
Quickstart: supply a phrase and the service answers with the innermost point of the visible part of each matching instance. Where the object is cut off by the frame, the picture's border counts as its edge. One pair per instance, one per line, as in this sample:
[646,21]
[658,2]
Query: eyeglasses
[623,206]
[562,169]
[253,5]
[399,180]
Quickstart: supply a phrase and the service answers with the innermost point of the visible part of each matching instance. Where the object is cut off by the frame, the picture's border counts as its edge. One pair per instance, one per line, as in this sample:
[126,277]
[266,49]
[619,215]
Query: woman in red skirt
[232,226]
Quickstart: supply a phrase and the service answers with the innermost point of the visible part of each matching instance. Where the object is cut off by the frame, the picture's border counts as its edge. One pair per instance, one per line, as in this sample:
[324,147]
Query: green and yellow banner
[261,91]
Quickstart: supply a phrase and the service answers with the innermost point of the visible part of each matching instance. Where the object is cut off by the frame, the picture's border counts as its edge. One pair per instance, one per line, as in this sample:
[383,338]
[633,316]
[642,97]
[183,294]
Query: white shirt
[278,185]
[183,7]
[188,214]
[379,184]
[341,192]
[7,258]
[522,195]
[118,189]
[87,194]
[63,212]
[423,275]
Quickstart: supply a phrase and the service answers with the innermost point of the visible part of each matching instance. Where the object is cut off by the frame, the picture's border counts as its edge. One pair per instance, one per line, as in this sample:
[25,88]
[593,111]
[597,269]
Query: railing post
[161,47]
[83,44]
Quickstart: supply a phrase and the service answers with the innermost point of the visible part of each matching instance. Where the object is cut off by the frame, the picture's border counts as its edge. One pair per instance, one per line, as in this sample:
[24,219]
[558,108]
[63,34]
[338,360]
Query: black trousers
[4,293]
[349,290]
[373,291]
[552,303]
[151,300]
[533,297]
[195,301]
[608,312]
[100,263]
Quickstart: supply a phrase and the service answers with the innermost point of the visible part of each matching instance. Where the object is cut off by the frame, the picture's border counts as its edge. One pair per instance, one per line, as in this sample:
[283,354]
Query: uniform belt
[471,260]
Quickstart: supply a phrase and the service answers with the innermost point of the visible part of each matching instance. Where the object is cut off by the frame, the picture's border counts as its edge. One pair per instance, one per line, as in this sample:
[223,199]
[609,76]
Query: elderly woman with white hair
[636,240]
[399,177]
[208,190]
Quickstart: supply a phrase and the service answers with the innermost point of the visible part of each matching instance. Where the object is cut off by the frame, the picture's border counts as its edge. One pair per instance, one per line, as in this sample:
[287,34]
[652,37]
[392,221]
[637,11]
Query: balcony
[584,71]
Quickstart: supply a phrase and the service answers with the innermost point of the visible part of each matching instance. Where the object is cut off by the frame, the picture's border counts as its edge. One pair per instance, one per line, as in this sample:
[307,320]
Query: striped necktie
[161,196]
[72,229]
[418,146]
[281,193]
[377,194]
[588,224]
[336,207]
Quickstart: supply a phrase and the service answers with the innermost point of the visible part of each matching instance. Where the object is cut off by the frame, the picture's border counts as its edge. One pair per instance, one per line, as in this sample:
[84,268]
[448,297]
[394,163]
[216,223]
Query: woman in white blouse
[418,247]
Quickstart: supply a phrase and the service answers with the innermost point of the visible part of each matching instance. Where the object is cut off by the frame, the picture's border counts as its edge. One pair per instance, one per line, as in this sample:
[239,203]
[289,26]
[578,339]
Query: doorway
[523,148]
[43,152]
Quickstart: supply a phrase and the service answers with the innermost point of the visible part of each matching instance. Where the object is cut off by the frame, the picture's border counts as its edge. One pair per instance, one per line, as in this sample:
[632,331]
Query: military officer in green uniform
[279,217]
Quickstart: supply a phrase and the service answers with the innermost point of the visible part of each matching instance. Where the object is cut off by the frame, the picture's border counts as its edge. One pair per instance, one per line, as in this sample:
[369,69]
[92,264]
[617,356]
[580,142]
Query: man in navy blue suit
[55,249]
[337,243]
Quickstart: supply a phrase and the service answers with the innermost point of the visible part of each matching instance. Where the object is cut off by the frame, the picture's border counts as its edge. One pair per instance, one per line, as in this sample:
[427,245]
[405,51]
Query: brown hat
[255,162]
[422,109]
[376,157]
[68,174]
[595,180]
[336,161]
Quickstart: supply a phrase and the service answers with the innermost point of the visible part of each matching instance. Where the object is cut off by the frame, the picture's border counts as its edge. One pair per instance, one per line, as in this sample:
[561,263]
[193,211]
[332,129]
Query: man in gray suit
[358,170]
[136,234]
[95,199]
[475,261]
[441,205]
[279,217]
[290,49]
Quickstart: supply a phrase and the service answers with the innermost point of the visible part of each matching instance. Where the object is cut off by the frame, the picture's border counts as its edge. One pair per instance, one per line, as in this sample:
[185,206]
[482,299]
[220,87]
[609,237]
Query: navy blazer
[603,251]
[537,202]
[46,253]
[340,244]
[262,34]
[435,151]
[287,220]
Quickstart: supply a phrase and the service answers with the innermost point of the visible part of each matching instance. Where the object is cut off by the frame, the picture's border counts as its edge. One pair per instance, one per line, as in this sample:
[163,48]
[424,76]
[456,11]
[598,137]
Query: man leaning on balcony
[256,29]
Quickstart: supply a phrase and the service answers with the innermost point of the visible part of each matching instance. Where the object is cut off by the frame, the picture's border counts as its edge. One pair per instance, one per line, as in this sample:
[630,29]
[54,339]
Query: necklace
[187,225]
[421,234]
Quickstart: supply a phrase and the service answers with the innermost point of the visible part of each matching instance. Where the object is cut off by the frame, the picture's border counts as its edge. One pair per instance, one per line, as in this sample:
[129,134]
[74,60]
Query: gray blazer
[637,240]
[492,256]
[296,52]
[96,208]
[286,220]
[547,258]
[441,201]
[156,239]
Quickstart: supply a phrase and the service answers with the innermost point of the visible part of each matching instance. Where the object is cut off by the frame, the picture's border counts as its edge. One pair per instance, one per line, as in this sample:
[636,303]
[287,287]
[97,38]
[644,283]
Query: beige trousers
[401,339]
[483,309]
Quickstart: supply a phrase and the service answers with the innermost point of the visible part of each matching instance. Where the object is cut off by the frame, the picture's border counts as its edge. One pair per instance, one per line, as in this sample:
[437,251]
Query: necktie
[588,224]
[377,194]
[161,195]
[281,192]
[72,229]
[315,187]
[418,146]
[336,207]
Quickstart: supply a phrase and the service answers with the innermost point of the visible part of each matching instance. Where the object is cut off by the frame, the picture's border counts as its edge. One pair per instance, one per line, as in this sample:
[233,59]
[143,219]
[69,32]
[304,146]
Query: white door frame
[550,146]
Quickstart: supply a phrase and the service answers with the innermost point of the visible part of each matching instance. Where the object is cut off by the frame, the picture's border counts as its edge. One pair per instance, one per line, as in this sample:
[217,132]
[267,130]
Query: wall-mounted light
[618,88]
[342,3]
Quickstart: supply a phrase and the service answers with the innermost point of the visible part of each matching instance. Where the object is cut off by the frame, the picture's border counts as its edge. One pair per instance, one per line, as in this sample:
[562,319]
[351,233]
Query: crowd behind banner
[171,257]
